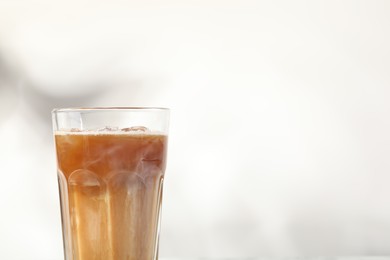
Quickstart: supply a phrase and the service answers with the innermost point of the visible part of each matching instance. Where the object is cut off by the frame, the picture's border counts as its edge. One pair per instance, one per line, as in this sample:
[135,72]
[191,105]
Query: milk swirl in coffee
[110,188]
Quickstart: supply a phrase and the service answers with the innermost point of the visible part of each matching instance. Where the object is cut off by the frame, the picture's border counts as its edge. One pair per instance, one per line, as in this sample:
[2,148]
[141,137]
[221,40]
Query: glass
[111,164]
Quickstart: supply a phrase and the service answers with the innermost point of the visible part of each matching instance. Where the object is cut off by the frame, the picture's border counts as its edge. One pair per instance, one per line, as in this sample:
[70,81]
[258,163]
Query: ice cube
[108,129]
[135,129]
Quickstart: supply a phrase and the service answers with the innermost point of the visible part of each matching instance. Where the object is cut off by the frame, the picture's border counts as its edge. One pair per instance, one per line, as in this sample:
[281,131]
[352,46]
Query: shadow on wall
[8,90]
[16,89]
[19,92]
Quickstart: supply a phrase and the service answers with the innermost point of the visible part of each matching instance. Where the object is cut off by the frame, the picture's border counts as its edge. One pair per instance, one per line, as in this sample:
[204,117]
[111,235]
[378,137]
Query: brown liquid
[111,187]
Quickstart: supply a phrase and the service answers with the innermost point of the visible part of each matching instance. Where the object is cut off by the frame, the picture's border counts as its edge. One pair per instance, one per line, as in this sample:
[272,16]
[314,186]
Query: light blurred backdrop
[280,128]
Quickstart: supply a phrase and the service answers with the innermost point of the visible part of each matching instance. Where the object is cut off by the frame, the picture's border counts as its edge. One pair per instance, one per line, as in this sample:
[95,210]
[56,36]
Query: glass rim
[91,109]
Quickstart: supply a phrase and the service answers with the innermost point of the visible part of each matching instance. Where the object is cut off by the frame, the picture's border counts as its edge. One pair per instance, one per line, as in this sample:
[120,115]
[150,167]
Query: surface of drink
[110,189]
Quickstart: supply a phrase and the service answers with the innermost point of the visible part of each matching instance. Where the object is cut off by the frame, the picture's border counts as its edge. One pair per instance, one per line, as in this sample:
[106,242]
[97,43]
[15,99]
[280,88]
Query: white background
[280,128]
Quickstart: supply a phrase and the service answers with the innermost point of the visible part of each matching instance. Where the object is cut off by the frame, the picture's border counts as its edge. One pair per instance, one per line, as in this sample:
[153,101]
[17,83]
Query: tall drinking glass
[111,164]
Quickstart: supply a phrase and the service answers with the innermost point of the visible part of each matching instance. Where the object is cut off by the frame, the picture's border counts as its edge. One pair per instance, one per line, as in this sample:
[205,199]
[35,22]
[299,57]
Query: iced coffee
[111,191]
